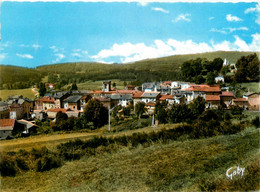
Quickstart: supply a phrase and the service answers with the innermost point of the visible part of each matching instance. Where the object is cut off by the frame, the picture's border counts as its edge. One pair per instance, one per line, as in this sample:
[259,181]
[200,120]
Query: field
[25,92]
[97,85]
[252,87]
[184,165]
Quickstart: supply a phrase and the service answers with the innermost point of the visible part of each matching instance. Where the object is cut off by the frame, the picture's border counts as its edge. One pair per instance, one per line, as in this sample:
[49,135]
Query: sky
[40,33]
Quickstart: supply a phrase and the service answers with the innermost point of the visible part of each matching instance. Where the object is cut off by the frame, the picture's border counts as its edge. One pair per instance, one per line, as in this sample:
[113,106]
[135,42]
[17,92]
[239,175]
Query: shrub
[47,163]
[7,167]
[256,122]
[22,164]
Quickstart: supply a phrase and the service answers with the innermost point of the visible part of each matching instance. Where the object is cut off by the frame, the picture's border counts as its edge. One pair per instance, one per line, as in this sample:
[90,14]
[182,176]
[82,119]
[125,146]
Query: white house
[219,79]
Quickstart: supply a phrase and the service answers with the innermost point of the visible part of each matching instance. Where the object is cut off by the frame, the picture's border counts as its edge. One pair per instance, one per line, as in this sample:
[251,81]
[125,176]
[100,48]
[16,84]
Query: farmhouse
[72,102]
[6,128]
[45,103]
[212,101]
[253,100]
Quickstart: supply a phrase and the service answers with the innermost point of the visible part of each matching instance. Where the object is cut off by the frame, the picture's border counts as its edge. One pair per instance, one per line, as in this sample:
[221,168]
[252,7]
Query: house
[106,86]
[83,101]
[150,97]
[253,100]
[195,91]
[164,88]
[122,99]
[219,79]
[130,87]
[29,127]
[241,102]
[53,112]
[59,98]
[150,108]
[39,114]
[45,103]
[49,85]
[16,111]
[179,85]
[27,105]
[226,97]
[137,97]
[6,128]
[106,101]
[212,101]
[72,102]
[4,110]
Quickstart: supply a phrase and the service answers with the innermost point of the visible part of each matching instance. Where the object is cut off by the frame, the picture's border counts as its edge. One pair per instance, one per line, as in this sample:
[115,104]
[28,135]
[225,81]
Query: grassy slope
[25,92]
[171,63]
[252,87]
[97,85]
[178,165]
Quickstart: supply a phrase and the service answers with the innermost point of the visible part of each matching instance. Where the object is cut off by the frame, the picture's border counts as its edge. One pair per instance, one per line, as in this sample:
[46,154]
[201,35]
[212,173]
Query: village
[20,113]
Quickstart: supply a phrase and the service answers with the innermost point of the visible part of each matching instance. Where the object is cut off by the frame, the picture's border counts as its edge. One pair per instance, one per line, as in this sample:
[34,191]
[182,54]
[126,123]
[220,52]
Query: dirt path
[42,140]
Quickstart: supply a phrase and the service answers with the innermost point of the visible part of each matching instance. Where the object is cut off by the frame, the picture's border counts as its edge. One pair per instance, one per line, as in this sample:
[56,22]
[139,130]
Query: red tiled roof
[240,99]
[202,88]
[47,99]
[166,83]
[126,91]
[7,122]
[151,104]
[57,110]
[227,94]
[164,97]
[137,94]
[212,98]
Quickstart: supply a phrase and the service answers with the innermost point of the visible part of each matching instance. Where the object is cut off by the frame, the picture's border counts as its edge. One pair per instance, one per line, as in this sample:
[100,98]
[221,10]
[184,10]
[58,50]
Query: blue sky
[39,33]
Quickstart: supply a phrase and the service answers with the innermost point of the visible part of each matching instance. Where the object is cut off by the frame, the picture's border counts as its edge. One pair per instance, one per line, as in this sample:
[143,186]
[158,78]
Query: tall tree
[161,111]
[96,113]
[140,109]
[197,107]
[210,78]
[74,86]
[42,89]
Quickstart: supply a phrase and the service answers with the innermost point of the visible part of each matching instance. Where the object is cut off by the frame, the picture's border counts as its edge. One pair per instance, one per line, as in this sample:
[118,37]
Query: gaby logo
[235,171]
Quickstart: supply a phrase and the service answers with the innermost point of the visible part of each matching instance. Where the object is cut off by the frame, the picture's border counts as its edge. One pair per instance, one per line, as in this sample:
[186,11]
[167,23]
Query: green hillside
[159,69]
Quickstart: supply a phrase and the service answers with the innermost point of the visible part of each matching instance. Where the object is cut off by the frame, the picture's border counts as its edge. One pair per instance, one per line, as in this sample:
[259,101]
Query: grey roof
[119,96]
[73,98]
[3,103]
[150,94]
[15,96]
[59,95]
[20,101]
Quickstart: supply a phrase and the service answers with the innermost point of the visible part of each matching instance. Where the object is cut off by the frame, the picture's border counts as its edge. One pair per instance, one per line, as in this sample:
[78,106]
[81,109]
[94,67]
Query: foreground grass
[24,92]
[188,165]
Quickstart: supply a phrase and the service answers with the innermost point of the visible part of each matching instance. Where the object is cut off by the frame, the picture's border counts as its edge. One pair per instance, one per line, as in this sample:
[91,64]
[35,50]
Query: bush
[7,168]
[22,164]
[256,122]
[47,163]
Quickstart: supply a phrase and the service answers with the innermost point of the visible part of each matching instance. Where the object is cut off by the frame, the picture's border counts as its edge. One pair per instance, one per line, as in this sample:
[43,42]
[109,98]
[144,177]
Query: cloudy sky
[38,33]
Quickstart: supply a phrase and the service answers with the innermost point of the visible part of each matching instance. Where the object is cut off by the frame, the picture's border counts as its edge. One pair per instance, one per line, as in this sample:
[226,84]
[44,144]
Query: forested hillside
[159,69]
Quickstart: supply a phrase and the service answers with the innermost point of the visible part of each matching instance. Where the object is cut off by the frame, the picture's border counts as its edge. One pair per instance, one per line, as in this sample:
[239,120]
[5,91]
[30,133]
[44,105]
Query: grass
[25,92]
[97,85]
[252,87]
[190,165]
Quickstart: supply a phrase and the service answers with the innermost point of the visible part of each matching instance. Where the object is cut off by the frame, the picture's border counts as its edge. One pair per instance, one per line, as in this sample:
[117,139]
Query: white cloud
[54,48]
[2,56]
[23,45]
[256,10]
[228,30]
[6,44]
[160,10]
[182,17]
[59,57]
[250,10]
[79,53]
[210,18]
[218,30]
[26,56]
[36,46]
[232,18]
[128,52]
[142,3]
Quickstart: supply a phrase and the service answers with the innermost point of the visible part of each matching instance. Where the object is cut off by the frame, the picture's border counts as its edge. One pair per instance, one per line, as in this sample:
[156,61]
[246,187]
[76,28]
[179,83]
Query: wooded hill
[165,68]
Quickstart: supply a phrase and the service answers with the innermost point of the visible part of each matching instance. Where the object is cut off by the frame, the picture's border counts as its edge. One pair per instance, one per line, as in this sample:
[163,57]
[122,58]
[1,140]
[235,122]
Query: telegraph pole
[109,119]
